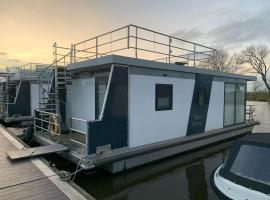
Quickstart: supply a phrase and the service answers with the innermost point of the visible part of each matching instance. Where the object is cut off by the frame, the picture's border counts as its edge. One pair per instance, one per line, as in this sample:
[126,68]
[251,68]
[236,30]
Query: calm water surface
[181,177]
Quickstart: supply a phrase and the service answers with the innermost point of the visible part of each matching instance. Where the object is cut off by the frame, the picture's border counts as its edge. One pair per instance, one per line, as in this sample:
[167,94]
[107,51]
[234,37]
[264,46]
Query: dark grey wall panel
[113,128]
[22,106]
[198,113]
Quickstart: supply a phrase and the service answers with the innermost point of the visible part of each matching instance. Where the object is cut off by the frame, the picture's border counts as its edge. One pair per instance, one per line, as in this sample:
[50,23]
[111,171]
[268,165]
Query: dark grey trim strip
[126,153]
[134,62]
[230,80]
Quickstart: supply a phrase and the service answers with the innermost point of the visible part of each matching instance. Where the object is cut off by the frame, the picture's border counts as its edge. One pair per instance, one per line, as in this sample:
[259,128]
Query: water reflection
[183,177]
[262,114]
[197,185]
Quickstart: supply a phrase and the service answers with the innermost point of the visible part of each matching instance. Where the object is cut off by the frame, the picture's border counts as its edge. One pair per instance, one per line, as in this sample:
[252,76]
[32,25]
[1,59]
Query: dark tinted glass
[252,162]
[164,97]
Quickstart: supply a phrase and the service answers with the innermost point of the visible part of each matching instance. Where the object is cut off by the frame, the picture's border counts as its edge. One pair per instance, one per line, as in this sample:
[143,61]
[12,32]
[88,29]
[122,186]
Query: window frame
[100,77]
[170,87]
[245,102]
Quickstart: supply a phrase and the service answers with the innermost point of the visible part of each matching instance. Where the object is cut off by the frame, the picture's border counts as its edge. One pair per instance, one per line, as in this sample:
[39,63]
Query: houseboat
[20,93]
[244,173]
[133,96]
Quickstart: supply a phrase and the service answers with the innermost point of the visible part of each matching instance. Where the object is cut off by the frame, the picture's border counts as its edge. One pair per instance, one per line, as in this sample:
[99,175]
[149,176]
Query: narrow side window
[164,97]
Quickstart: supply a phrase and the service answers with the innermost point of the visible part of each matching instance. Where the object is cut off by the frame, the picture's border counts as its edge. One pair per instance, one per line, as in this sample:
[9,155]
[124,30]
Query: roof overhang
[104,61]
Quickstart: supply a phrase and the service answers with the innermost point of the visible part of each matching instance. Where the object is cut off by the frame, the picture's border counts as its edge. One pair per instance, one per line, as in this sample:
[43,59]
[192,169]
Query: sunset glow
[29,28]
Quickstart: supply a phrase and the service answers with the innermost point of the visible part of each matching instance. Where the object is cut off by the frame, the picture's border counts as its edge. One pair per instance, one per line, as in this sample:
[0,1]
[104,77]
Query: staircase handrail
[52,65]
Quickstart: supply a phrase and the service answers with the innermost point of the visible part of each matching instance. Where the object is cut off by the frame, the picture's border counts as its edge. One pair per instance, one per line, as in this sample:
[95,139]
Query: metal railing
[47,79]
[78,134]
[29,69]
[250,109]
[138,42]
[48,122]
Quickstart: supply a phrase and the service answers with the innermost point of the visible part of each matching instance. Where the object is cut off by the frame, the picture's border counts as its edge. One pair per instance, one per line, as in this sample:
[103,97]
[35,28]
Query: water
[262,114]
[181,177]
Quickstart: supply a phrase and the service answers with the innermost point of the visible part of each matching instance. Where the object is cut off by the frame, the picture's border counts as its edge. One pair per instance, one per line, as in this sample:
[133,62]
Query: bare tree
[255,57]
[255,86]
[223,61]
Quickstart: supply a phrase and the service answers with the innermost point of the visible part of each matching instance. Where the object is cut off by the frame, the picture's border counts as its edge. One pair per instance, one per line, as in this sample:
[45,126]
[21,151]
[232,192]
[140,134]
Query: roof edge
[122,60]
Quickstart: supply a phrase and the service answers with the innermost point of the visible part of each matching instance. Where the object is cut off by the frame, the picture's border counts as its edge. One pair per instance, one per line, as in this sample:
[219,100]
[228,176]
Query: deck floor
[22,179]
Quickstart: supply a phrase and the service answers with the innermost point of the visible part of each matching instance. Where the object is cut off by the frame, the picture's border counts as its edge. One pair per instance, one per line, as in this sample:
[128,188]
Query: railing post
[55,51]
[35,129]
[136,42]
[74,53]
[59,128]
[194,55]
[71,54]
[96,47]
[87,138]
[70,132]
[41,122]
[170,50]
[128,33]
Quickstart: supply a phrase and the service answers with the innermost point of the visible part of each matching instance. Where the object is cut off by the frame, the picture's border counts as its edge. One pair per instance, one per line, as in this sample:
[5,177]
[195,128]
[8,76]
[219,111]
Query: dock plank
[22,179]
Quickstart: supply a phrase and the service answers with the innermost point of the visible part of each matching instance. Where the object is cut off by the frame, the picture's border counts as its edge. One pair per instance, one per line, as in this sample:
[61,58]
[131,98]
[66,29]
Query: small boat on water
[245,172]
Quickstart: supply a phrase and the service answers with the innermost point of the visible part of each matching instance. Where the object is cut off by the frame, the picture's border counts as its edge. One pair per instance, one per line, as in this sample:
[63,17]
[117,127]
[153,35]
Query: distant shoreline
[261,96]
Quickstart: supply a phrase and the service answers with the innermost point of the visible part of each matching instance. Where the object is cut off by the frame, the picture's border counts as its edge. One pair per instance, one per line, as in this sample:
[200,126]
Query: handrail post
[96,47]
[136,42]
[55,51]
[70,132]
[128,33]
[74,53]
[59,128]
[71,53]
[87,137]
[35,129]
[170,50]
[194,55]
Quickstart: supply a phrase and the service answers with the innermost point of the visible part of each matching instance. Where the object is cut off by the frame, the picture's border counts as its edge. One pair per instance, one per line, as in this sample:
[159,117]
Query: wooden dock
[30,178]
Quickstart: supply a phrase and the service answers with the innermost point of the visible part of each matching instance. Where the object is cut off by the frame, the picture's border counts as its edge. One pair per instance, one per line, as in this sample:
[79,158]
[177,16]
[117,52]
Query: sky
[28,28]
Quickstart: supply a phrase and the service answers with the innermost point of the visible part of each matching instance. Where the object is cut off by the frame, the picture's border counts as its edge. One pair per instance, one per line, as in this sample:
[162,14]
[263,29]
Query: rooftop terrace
[137,42]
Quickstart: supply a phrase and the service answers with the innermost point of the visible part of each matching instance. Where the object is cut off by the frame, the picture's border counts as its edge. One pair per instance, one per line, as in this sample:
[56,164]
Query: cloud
[13,60]
[188,35]
[3,53]
[242,31]
[233,34]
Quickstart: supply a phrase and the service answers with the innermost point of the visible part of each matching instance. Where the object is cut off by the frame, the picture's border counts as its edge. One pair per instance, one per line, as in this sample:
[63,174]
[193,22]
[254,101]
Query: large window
[234,104]
[164,95]
[229,104]
[240,104]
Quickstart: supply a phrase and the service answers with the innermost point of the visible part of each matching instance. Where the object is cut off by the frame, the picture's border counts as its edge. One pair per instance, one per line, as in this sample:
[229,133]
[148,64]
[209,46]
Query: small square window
[164,94]
[202,97]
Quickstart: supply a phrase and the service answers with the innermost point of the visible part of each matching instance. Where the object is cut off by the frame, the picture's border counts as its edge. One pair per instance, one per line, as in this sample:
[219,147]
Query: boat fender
[28,134]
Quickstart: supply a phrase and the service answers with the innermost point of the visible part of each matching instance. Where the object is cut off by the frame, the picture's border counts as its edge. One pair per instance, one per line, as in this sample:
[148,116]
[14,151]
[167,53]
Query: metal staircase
[9,93]
[52,83]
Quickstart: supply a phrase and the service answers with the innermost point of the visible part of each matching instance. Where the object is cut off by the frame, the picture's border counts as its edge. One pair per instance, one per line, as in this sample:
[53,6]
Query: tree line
[252,59]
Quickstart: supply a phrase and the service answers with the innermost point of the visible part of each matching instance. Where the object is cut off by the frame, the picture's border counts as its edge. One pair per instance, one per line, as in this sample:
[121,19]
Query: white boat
[245,172]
